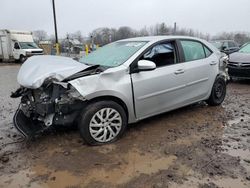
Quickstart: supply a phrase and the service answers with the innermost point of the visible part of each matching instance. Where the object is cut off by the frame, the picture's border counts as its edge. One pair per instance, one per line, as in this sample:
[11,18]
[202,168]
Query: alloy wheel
[105,125]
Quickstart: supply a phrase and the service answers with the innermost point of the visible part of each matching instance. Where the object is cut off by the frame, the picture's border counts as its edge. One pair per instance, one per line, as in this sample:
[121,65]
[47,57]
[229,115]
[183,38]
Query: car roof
[159,38]
[222,41]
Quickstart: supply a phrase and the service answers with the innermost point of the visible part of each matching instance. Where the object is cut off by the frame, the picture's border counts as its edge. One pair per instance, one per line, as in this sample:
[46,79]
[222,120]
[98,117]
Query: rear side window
[193,50]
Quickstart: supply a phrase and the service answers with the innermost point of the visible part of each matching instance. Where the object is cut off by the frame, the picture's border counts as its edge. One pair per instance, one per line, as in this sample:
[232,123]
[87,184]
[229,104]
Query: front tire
[22,59]
[102,122]
[218,93]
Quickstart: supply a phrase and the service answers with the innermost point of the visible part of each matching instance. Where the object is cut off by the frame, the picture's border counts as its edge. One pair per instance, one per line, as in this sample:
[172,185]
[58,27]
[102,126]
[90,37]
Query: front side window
[16,45]
[161,54]
[113,54]
[193,50]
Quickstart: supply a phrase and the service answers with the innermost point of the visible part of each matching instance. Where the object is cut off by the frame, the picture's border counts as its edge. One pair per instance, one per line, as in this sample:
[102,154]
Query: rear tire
[102,122]
[218,92]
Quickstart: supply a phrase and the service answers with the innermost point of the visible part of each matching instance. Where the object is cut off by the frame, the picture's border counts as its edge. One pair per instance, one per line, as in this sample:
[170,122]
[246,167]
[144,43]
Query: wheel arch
[111,98]
[219,75]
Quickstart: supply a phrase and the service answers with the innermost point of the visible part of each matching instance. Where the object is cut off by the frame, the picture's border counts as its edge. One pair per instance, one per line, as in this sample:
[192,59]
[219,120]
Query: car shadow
[71,132]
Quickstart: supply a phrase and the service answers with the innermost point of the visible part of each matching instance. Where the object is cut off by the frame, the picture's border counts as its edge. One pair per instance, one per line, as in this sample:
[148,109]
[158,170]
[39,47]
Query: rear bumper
[239,72]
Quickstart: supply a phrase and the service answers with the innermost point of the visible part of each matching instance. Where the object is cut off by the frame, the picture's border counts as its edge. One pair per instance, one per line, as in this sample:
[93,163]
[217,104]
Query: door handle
[180,71]
[213,63]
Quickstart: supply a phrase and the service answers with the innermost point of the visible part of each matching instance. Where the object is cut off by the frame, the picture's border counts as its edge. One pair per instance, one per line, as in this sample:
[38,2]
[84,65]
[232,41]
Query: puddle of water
[222,183]
[133,165]
[233,150]
[63,179]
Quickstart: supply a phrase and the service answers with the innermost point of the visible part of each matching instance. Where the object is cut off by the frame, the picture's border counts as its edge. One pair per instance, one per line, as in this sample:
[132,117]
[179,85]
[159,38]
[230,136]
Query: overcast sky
[208,16]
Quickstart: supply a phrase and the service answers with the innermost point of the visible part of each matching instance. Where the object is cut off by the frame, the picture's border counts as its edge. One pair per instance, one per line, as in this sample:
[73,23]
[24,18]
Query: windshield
[245,48]
[28,45]
[113,54]
[217,44]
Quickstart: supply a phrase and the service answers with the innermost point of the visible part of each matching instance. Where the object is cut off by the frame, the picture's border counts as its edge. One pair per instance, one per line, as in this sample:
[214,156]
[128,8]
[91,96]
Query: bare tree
[143,32]
[105,35]
[40,35]
[242,38]
[125,32]
[102,35]
[76,35]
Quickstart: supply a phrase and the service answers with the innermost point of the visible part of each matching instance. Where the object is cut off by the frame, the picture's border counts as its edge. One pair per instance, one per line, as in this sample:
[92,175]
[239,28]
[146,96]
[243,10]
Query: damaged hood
[37,69]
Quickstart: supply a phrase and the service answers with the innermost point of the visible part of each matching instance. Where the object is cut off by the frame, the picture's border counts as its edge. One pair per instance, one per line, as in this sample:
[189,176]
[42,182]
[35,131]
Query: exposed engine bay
[54,103]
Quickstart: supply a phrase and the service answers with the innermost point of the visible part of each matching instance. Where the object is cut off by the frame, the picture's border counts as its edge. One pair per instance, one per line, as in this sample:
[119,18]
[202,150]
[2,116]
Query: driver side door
[16,50]
[161,89]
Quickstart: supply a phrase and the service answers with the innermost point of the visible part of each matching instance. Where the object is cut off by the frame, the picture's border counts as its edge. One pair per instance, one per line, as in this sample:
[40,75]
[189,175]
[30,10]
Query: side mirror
[146,65]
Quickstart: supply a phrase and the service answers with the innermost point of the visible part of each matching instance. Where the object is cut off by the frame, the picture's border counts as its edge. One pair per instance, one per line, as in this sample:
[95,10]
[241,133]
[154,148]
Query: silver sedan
[120,83]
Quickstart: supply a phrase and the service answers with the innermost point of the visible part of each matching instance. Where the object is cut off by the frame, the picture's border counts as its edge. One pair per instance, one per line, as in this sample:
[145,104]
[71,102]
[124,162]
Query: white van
[17,45]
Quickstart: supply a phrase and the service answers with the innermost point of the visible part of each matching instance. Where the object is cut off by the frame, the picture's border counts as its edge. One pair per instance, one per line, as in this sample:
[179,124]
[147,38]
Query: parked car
[239,63]
[120,83]
[226,46]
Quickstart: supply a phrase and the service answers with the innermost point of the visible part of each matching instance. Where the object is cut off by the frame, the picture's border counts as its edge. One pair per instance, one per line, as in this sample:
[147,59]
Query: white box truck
[17,45]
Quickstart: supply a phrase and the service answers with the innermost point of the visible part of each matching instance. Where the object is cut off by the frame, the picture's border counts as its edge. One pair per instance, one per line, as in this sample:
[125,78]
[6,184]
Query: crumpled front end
[54,103]
[47,97]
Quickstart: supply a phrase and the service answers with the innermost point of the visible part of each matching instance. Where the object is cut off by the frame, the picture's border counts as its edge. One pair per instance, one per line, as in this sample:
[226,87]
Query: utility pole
[54,14]
[175,27]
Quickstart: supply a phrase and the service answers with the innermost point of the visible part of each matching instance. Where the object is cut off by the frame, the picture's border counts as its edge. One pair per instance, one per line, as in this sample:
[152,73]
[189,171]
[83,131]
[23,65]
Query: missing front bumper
[29,128]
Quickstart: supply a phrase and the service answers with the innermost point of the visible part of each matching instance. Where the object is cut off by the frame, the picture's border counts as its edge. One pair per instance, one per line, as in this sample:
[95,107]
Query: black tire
[218,92]
[22,59]
[89,113]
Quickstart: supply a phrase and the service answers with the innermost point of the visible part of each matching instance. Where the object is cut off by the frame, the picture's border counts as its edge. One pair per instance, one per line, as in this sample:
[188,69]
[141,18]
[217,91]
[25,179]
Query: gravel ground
[196,146]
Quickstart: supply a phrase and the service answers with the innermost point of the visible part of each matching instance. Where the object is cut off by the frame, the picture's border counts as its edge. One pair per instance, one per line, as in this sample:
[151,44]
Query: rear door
[161,89]
[201,67]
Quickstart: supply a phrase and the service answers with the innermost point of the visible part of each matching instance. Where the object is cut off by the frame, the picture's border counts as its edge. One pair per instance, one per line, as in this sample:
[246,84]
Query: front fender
[112,85]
